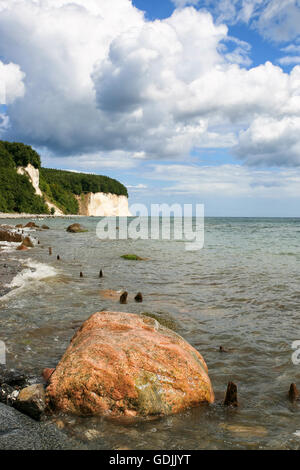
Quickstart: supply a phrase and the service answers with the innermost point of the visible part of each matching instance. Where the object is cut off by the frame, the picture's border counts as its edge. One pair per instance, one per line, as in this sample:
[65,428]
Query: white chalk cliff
[103,205]
[34,178]
[33,175]
[91,204]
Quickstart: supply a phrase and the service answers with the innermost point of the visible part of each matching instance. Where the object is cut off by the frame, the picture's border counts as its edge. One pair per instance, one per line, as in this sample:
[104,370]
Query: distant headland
[27,188]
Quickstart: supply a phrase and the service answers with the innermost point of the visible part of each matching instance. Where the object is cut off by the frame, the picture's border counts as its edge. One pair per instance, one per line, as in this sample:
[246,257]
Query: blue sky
[182,101]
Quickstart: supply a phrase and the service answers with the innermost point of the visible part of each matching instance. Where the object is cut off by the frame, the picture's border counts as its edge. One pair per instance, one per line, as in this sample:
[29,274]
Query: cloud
[107,89]
[11,83]
[96,162]
[276,20]
[289,60]
[137,187]
[227,181]
[268,141]
[184,3]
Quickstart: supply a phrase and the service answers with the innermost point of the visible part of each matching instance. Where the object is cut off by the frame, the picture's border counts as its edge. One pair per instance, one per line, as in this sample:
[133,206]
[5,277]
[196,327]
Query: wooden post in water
[123,298]
[50,251]
[58,257]
[101,273]
[231,395]
[139,297]
[293,393]
[81,274]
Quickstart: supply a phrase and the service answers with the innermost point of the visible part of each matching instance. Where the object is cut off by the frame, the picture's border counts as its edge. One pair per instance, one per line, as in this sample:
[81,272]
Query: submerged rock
[127,364]
[257,431]
[133,258]
[22,247]
[31,401]
[31,225]
[110,294]
[76,228]
[45,227]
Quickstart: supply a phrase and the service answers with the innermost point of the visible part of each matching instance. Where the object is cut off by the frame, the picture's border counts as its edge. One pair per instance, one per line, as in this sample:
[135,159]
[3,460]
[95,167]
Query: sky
[181,101]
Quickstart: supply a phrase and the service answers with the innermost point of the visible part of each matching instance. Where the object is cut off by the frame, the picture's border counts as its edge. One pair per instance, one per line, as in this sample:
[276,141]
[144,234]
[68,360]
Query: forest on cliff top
[58,186]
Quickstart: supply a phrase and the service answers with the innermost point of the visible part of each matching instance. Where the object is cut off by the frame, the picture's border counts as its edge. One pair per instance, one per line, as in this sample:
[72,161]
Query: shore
[23,215]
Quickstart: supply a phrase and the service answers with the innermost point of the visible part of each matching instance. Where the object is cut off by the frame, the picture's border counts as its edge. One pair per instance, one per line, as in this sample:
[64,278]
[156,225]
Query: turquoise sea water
[241,291]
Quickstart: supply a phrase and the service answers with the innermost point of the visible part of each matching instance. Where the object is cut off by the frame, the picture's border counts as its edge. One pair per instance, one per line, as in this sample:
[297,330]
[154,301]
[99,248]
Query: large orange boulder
[126,364]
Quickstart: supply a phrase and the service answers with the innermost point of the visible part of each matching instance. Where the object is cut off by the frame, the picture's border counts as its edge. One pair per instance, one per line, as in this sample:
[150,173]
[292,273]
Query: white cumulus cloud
[101,80]
[11,83]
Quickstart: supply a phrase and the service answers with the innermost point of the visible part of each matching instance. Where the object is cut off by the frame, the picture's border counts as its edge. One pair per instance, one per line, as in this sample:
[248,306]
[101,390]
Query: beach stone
[8,394]
[76,228]
[126,364]
[31,225]
[27,242]
[8,236]
[45,227]
[19,432]
[31,401]
[12,377]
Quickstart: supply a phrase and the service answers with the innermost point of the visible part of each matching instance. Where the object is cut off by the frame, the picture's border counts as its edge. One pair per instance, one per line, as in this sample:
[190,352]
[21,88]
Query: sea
[240,291]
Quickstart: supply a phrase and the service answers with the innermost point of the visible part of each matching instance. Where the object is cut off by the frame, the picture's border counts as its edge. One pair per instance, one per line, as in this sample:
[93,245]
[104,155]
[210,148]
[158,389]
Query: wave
[34,271]
[7,247]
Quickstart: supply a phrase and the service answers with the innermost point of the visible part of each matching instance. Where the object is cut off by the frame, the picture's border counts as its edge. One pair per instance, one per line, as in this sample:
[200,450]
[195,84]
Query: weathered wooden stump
[293,393]
[139,297]
[231,395]
[123,298]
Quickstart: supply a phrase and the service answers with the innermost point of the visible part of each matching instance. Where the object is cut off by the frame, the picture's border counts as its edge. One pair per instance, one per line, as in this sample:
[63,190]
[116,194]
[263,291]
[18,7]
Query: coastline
[23,215]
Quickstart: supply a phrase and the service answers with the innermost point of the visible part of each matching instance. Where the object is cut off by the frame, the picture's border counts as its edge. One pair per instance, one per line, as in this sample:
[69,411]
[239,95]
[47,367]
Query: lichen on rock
[128,364]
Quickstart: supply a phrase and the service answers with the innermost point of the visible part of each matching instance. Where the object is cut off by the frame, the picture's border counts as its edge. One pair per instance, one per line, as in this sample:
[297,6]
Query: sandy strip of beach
[22,215]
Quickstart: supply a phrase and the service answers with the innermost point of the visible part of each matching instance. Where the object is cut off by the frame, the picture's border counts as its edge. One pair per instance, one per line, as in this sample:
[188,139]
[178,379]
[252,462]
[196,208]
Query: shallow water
[240,291]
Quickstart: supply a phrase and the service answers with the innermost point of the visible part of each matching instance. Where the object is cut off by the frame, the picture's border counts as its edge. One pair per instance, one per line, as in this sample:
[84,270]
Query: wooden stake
[231,395]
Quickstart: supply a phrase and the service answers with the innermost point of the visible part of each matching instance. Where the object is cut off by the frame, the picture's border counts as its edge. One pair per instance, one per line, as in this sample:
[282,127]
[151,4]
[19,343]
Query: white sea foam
[33,272]
[8,246]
